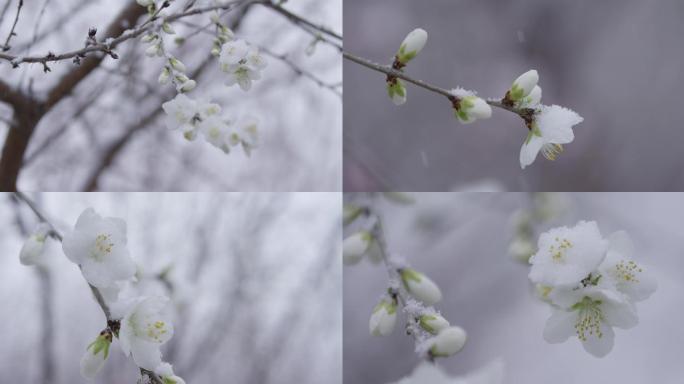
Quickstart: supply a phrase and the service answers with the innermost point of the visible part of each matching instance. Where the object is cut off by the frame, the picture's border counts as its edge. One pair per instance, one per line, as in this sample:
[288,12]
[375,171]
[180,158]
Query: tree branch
[389,71]
[6,46]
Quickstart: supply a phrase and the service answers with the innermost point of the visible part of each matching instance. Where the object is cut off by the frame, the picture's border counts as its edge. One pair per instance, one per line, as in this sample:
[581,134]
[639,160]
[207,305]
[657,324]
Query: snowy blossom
[448,341]
[98,246]
[523,85]
[355,246]
[242,62]
[433,323]
[32,251]
[565,255]
[591,284]
[185,114]
[420,286]
[165,371]
[217,132]
[396,91]
[550,128]
[521,249]
[468,107]
[412,45]
[384,317]
[430,373]
[144,328]
[95,356]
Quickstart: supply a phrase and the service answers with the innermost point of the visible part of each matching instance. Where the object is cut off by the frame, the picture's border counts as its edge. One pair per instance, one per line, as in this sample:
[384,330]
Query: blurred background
[254,279]
[617,63]
[109,133]
[460,240]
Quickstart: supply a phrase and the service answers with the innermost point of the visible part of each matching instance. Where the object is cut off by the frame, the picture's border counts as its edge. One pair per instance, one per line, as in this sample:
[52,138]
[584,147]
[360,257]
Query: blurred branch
[6,46]
[302,22]
[389,71]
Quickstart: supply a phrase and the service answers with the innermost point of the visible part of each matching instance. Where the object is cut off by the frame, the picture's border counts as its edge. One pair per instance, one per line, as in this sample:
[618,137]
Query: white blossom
[32,251]
[412,45]
[626,275]
[242,62]
[420,286]
[384,318]
[591,319]
[565,255]
[448,341]
[98,246]
[550,129]
[521,249]
[217,132]
[523,85]
[144,328]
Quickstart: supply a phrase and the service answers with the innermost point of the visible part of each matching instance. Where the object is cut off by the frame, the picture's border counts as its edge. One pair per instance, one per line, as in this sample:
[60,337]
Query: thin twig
[388,70]
[6,47]
[127,35]
[302,21]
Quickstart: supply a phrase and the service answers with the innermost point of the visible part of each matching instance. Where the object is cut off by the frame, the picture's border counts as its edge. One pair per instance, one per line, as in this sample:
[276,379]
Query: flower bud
[154,50]
[32,251]
[420,286]
[521,249]
[355,246]
[384,318]
[397,92]
[351,213]
[164,76]
[523,85]
[145,3]
[177,64]
[471,108]
[166,27]
[165,371]
[187,86]
[449,341]
[433,323]
[412,45]
[148,38]
[95,356]
[534,97]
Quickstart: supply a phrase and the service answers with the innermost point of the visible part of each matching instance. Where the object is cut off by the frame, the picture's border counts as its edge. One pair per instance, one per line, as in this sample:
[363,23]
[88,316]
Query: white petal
[555,124]
[620,314]
[600,346]
[560,326]
[529,151]
[145,354]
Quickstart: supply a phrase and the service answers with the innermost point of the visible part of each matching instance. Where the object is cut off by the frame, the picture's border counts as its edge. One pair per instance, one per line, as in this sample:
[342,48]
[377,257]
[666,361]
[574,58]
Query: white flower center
[589,318]
[558,249]
[103,247]
[551,150]
[156,330]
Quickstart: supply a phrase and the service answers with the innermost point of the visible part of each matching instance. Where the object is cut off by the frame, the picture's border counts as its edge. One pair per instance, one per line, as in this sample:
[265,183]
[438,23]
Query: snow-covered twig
[388,70]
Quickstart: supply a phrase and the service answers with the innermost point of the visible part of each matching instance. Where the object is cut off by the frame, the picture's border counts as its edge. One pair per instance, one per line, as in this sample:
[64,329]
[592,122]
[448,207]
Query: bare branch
[6,46]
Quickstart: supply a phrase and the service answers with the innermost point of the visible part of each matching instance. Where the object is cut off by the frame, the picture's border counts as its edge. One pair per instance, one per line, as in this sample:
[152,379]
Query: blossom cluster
[194,117]
[417,293]
[98,245]
[590,282]
[242,62]
[239,59]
